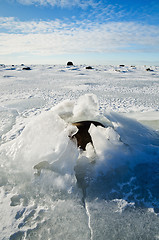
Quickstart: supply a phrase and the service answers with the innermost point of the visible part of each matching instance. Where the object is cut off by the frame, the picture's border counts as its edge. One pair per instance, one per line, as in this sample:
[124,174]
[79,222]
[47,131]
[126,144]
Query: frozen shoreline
[115,196]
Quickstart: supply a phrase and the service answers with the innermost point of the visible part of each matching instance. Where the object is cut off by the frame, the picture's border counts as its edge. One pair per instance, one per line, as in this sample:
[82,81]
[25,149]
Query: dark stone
[26,68]
[70,64]
[89,67]
[121,65]
[149,69]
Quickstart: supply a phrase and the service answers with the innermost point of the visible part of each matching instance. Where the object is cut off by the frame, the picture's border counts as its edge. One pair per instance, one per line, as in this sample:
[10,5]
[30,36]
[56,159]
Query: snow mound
[118,173]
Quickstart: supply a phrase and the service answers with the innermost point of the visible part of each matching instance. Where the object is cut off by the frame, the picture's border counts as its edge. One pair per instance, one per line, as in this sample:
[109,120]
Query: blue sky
[86,32]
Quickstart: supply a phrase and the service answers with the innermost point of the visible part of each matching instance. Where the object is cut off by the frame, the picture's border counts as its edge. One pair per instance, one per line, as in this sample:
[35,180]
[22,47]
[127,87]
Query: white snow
[49,188]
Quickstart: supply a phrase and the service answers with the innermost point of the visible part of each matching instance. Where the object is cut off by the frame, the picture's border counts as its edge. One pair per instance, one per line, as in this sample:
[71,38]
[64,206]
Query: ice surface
[109,191]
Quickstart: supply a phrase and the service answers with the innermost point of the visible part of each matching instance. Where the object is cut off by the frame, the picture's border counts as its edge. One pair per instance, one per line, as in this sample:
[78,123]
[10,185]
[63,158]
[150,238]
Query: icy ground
[110,191]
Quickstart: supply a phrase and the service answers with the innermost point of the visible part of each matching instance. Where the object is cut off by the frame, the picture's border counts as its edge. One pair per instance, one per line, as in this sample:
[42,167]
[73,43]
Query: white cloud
[15,26]
[56,37]
[60,3]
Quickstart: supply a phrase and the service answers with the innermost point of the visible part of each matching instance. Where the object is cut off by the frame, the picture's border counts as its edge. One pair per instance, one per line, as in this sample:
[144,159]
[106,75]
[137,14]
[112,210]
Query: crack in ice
[89,221]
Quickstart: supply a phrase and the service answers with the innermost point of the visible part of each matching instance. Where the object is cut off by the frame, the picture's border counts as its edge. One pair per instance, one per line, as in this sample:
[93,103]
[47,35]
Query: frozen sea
[109,192]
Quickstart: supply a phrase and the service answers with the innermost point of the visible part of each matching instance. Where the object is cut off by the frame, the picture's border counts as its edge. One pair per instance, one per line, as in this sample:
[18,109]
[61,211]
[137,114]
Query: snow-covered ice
[106,192]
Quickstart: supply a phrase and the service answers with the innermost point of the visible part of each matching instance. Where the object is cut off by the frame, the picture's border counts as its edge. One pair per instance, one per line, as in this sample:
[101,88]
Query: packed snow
[50,188]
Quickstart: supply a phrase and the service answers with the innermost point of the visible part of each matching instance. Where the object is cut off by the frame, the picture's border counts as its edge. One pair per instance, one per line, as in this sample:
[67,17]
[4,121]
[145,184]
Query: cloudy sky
[84,31]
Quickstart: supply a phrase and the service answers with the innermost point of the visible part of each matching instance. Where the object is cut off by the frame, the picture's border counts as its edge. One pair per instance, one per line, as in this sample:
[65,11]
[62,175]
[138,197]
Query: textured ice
[109,191]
